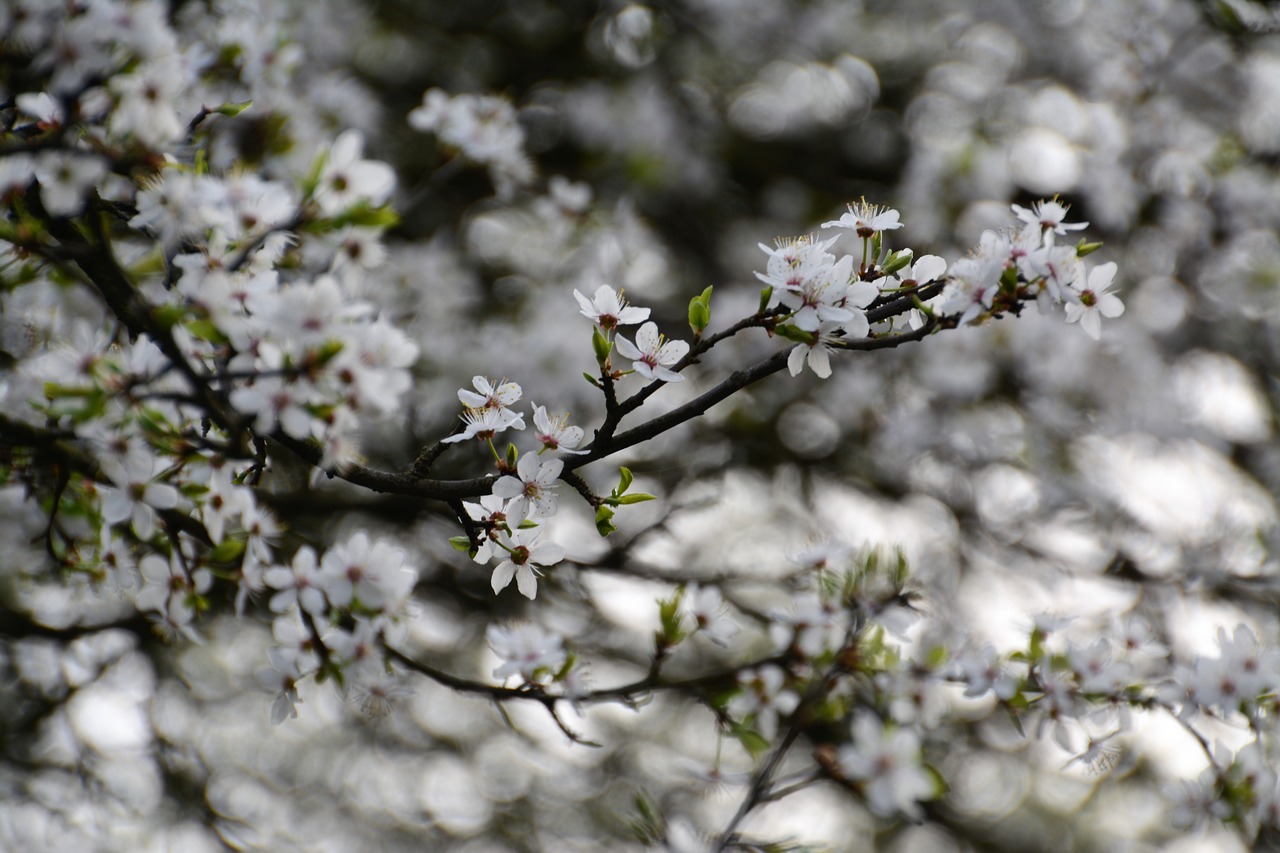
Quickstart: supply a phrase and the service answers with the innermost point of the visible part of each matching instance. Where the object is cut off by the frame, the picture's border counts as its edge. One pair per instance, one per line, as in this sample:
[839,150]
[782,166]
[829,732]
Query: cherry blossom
[886,760]
[523,555]
[652,354]
[608,310]
[1093,300]
[525,649]
[556,435]
[866,219]
[532,489]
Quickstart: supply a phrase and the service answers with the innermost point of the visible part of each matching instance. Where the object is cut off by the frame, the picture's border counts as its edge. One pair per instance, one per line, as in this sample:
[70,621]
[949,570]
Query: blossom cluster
[483,129]
[823,299]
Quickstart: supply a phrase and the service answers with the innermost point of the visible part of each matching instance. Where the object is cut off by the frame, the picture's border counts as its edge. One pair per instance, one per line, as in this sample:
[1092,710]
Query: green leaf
[765,296]
[624,482]
[877,243]
[513,455]
[637,498]
[587,376]
[601,345]
[1083,248]
[604,520]
[700,311]
[232,109]
[460,543]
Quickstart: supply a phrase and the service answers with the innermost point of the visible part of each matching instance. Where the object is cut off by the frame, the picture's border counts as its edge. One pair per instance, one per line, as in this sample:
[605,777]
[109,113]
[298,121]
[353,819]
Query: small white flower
[491,395]
[525,648]
[608,310]
[524,554]
[556,435]
[1095,302]
[532,489]
[486,423]
[866,219]
[887,762]
[1047,216]
[706,606]
[347,178]
[816,354]
[651,355]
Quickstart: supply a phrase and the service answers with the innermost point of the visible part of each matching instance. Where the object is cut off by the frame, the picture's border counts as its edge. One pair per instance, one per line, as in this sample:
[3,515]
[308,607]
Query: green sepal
[327,351]
[751,740]
[362,215]
[168,315]
[1083,248]
[792,333]
[205,330]
[671,619]
[765,296]
[604,521]
[700,311]
[601,345]
[227,551]
[897,261]
[231,110]
[940,786]
[1009,280]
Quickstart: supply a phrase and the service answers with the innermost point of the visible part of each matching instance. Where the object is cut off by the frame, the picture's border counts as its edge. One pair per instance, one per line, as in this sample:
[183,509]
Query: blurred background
[1022,467]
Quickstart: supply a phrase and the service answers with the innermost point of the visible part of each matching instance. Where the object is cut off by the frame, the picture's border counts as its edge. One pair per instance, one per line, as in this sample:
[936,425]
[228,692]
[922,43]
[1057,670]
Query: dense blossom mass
[250,254]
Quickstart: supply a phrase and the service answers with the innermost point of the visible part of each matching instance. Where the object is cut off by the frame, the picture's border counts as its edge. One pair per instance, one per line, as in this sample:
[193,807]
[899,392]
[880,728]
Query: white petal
[526,582]
[502,576]
[647,338]
[795,360]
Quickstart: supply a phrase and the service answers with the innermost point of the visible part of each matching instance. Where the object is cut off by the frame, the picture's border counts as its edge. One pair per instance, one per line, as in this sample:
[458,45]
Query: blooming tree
[273,320]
